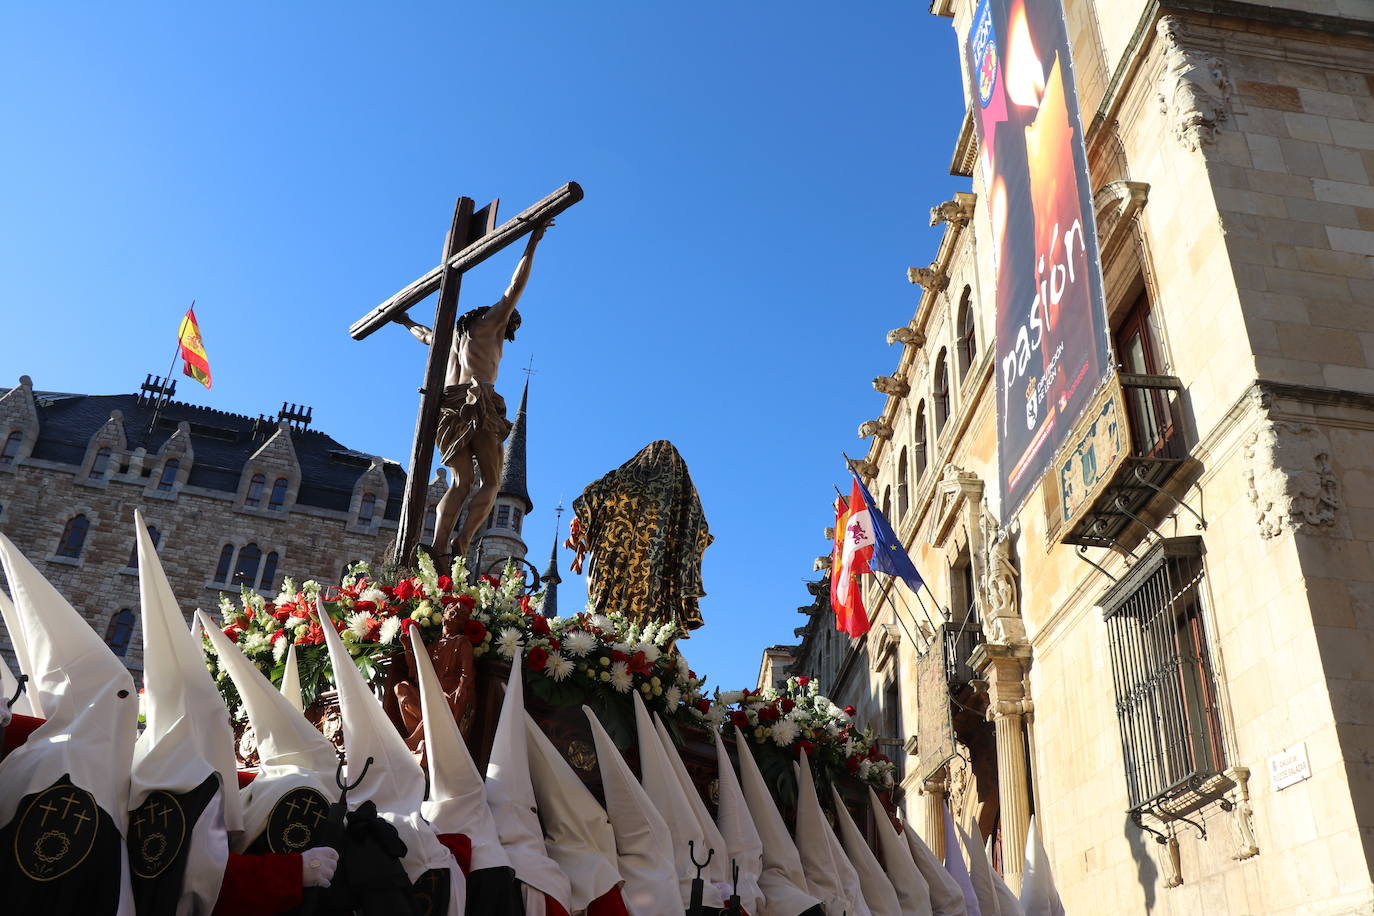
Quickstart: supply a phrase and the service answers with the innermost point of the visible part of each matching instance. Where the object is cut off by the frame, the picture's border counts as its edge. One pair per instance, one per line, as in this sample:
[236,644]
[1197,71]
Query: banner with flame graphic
[1052,339]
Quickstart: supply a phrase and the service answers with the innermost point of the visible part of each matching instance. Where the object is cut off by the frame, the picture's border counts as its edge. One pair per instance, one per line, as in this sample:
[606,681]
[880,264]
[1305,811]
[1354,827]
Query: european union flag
[889,556]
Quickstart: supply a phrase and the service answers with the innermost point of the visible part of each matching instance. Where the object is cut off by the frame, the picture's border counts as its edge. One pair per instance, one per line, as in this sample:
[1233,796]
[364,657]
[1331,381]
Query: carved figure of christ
[472,424]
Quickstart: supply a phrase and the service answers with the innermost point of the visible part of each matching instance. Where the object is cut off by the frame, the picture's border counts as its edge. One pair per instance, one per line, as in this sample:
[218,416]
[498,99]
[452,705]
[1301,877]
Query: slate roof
[223,443]
[513,470]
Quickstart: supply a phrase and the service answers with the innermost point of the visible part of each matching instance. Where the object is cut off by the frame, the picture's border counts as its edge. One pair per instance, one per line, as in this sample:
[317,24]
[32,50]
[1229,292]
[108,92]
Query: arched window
[226,556]
[903,488]
[120,631]
[968,344]
[887,502]
[73,537]
[254,497]
[169,474]
[269,571]
[919,445]
[154,535]
[101,464]
[278,497]
[515,516]
[11,449]
[366,509]
[502,517]
[941,394]
[246,569]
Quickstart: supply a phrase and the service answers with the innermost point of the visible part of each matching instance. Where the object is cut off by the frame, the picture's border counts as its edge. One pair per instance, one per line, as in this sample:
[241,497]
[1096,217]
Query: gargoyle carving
[878,428]
[906,336]
[953,212]
[931,278]
[1193,89]
[890,384]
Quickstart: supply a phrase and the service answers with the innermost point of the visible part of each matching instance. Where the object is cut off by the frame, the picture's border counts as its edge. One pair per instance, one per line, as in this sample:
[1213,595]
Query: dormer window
[278,497]
[367,509]
[101,464]
[169,474]
[11,449]
[255,487]
[246,570]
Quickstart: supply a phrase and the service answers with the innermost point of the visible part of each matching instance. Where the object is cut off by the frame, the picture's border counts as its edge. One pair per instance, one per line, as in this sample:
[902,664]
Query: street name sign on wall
[1052,337]
[1289,767]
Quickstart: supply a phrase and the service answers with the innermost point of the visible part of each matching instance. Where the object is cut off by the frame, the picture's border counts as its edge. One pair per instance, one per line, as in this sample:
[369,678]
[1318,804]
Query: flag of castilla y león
[195,363]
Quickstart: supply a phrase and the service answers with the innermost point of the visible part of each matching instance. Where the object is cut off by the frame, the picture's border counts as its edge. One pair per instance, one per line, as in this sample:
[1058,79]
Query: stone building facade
[1177,676]
[234,500]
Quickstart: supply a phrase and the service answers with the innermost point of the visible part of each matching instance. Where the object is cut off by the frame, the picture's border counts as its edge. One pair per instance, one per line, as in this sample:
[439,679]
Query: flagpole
[165,394]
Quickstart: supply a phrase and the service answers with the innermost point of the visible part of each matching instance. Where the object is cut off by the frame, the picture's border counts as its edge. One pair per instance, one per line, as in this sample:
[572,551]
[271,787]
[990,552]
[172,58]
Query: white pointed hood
[291,752]
[27,704]
[946,897]
[394,782]
[878,892]
[577,832]
[742,843]
[954,864]
[86,693]
[291,680]
[718,872]
[783,880]
[511,797]
[814,841]
[1038,894]
[644,845]
[187,736]
[457,798]
[913,893]
[1007,904]
[661,782]
[849,877]
[980,871]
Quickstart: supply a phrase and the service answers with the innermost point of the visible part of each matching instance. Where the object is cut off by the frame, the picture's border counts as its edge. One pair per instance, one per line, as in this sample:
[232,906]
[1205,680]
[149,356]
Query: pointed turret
[551,578]
[513,466]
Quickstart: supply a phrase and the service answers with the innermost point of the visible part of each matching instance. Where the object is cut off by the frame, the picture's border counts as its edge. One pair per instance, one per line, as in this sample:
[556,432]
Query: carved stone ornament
[1289,478]
[821,563]
[931,278]
[1242,816]
[906,336]
[864,468]
[890,384]
[1002,610]
[1193,89]
[879,428]
[954,212]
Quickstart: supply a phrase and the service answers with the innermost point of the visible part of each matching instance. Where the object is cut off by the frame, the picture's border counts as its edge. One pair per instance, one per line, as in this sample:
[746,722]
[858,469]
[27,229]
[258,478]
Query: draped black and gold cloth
[645,532]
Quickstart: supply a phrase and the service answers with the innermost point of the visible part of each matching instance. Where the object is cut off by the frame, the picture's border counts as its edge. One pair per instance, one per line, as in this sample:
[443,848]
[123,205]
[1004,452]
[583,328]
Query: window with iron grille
[1165,693]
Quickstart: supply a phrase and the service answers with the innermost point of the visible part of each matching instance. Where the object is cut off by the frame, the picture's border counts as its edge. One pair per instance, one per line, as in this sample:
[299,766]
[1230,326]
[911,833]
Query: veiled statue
[642,527]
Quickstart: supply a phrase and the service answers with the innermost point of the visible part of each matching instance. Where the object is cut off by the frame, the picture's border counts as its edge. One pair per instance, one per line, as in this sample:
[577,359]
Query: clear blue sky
[757,180]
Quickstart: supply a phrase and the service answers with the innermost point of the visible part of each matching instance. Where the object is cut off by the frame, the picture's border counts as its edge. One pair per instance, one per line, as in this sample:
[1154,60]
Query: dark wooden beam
[422,449]
[468,257]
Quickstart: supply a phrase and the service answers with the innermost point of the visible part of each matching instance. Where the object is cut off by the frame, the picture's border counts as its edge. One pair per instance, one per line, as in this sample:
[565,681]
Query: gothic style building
[232,501]
[1170,666]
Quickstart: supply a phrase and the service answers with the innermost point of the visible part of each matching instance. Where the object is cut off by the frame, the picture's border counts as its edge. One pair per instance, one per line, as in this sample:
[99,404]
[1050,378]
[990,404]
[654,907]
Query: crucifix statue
[459,409]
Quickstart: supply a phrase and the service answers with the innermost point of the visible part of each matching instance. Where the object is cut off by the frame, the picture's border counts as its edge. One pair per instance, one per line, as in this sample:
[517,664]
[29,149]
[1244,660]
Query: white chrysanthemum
[559,666]
[601,621]
[390,627]
[375,595]
[360,623]
[730,697]
[673,697]
[784,732]
[682,667]
[865,767]
[508,642]
[651,651]
[620,677]
[579,643]
[279,649]
[293,622]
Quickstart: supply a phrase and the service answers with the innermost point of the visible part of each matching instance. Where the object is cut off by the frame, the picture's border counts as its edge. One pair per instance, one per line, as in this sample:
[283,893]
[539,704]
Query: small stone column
[1004,668]
[936,789]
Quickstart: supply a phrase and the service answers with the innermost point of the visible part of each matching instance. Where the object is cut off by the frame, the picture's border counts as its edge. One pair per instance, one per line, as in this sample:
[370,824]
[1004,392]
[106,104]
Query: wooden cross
[472,238]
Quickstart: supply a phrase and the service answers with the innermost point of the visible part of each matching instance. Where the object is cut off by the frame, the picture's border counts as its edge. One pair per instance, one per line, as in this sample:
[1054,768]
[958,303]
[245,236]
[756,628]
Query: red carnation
[618,656]
[404,590]
[849,710]
[803,681]
[492,581]
[233,631]
[536,658]
[386,589]
[278,635]
[787,705]
[704,705]
[804,745]
[555,644]
[475,632]
[540,625]
[769,714]
[467,601]
[407,623]
[445,583]
[739,718]
[852,764]
[364,606]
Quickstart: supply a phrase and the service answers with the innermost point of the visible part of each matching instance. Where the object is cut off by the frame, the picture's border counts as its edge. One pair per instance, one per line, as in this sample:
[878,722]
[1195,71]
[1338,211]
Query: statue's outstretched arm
[423,334]
[500,312]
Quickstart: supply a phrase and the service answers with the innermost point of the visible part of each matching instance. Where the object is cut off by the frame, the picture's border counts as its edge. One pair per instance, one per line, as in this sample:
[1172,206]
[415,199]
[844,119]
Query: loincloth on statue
[465,411]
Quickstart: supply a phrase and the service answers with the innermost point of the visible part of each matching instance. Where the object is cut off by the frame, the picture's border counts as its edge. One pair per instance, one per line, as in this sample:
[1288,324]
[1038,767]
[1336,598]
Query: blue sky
[757,180]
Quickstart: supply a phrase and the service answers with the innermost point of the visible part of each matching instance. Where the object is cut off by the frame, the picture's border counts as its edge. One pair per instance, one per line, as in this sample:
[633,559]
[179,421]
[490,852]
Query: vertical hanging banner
[1052,336]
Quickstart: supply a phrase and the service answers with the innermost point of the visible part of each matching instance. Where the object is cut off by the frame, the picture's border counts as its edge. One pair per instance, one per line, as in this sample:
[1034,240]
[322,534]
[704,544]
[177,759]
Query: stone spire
[551,578]
[513,468]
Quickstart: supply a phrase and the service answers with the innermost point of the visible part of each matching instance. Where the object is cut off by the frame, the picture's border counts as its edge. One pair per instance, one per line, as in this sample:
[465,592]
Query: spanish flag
[847,563]
[196,363]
